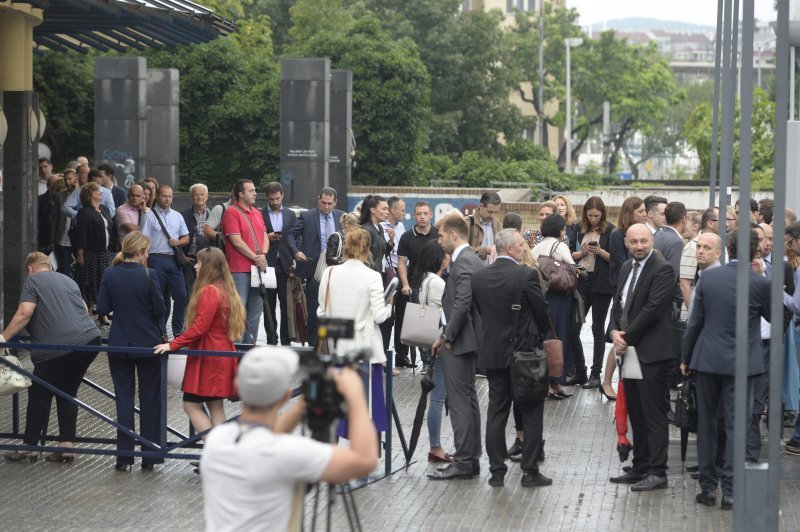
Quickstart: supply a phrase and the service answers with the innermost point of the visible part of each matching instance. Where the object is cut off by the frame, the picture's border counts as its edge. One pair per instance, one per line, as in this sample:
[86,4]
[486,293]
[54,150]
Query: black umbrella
[269,325]
[427,385]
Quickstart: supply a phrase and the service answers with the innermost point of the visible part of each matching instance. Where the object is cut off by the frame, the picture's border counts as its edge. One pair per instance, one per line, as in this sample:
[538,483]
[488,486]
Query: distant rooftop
[119,25]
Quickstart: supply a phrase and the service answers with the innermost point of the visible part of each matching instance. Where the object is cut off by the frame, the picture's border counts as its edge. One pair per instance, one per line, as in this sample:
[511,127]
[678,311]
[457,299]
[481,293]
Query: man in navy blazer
[709,350]
[279,222]
[306,241]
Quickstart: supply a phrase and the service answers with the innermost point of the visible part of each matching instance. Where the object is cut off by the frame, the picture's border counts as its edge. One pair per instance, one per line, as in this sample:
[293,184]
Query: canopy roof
[122,24]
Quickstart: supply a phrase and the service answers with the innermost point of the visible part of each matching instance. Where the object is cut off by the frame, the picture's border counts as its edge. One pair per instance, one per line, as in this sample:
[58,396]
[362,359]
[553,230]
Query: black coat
[379,247]
[90,234]
[279,254]
[494,290]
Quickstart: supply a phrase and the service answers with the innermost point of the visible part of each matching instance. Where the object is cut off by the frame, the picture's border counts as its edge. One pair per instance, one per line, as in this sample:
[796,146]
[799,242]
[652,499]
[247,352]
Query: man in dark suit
[279,221]
[709,350]
[308,238]
[641,318]
[495,289]
[458,346]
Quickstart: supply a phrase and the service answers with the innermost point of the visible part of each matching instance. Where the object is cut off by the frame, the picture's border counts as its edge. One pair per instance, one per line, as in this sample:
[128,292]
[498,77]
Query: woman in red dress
[214,318]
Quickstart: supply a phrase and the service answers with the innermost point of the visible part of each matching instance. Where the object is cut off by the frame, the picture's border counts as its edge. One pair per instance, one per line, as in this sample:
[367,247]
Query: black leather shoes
[629,477]
[593,382]
[450,472]
[402,362]
[497,480]
[515,451]
[706,498]
[650,483]
[576,379]
[535,481]
[727,502]
[692,468]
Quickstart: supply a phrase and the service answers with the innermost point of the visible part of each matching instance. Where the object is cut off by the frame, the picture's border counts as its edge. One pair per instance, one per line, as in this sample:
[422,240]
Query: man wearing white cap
[251,467]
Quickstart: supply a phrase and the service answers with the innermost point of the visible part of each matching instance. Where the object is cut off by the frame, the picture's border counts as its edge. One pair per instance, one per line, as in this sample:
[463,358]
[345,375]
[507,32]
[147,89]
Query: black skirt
[90,274]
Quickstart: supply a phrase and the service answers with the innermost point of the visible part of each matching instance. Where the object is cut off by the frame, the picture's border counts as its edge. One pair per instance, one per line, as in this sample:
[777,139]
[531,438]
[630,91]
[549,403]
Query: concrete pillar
[342,141]
[120,116]
[305,129]
[20,169]
[163,146]
[16,45]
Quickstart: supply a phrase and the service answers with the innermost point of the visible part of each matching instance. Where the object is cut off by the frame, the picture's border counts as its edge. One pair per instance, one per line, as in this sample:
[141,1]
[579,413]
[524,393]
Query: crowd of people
[644,278]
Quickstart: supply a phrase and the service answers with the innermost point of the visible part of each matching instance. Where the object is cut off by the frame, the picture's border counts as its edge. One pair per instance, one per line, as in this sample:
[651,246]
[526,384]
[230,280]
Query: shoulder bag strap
[339,247]
[163,228]
[252,230]
[552,249]
[517,306]
[427,292]
[328,288]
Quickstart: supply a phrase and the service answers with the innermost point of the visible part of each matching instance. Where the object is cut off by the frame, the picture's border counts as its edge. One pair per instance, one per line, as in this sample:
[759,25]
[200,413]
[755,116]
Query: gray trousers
[465,415]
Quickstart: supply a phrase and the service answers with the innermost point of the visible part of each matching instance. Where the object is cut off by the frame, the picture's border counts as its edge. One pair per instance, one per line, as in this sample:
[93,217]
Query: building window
[466,5]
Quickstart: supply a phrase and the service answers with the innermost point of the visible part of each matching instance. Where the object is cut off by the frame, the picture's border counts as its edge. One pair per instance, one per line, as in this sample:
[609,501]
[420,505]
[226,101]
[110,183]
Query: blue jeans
[253,305]
[169,275]
[437,398]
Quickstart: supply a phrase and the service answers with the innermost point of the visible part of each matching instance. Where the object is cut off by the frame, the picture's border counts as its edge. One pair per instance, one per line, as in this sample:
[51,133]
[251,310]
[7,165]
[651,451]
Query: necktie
[326,232]
[623,321]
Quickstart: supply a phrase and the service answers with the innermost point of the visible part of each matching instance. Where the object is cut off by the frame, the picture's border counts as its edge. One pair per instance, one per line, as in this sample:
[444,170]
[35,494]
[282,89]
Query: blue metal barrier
[164,447]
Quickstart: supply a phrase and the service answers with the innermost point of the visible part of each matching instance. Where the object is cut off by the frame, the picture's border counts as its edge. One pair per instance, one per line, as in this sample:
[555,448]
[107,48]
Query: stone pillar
[342,142]
[20,174]
[163,99]
[305,129]
[120,116]
[16,45]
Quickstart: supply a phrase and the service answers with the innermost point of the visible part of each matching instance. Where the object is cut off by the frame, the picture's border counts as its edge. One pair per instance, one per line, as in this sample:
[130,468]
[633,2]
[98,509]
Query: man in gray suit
[709,350]
[458,346]
[669,241]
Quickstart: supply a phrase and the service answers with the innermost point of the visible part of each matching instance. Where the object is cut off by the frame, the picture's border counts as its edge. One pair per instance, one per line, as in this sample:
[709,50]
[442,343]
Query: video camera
[324,404]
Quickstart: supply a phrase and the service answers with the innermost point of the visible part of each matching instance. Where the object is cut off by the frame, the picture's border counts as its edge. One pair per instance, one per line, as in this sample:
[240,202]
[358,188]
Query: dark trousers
[65,373]
[189,276]
[760,400]
[465,414]
[598,304]
[171,277]
[124,370]
[647,411]
[713,392]
[399,311]
[274,296]
[312,302]
[64,258]
[497,417]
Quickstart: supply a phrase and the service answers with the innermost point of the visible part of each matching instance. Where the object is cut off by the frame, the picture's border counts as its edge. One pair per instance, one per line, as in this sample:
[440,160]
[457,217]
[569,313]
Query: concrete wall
[163,125]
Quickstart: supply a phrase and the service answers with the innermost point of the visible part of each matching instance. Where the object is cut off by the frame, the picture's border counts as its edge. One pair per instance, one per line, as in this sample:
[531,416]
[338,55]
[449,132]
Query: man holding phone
[278,221]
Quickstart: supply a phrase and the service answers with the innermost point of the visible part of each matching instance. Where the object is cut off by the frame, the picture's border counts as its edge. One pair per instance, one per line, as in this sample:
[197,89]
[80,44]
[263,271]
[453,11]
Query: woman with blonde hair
[333,253]
[354,290]
[215,317]
[130,289]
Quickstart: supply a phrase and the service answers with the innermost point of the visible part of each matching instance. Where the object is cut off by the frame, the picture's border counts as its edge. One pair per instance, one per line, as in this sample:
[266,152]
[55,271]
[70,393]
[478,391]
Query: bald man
[641,318]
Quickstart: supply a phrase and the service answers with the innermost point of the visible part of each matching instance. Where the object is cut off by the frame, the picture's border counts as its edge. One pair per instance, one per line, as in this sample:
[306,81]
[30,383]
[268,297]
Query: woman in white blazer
[353,290]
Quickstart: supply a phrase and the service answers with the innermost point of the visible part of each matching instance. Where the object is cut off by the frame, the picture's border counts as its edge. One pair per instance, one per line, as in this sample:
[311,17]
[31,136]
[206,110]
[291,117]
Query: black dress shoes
[497,480]
[576,380]
[515,451]
[706,498]
[402,362]
[692,468]
[535,481]
[650,483]
[450,472]
[727,502]
[593,382]
[629,477]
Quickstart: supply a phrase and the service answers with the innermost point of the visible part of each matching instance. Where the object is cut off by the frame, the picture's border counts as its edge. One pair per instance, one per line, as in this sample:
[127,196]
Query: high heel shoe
[609,397]
[60,458]
[19,456]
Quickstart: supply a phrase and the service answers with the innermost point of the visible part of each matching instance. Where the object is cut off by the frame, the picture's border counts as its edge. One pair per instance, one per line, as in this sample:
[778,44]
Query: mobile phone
[593,243]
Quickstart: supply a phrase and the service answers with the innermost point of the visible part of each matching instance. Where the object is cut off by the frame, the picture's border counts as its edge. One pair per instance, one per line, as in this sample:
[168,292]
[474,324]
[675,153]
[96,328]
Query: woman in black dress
[94,241]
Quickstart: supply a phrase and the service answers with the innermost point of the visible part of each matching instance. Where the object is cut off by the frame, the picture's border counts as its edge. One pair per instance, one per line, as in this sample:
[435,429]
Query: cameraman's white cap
[264,375]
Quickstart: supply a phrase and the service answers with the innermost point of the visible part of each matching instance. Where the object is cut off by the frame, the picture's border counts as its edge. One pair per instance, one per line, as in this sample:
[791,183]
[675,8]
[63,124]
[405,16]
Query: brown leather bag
[555,354]
[563,276]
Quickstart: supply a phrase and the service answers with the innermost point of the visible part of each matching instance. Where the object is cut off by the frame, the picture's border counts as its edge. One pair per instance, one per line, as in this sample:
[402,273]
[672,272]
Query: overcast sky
[694,11]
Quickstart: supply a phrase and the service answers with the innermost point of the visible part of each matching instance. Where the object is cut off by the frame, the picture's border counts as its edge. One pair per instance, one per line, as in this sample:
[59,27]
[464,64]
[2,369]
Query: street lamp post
[570,43]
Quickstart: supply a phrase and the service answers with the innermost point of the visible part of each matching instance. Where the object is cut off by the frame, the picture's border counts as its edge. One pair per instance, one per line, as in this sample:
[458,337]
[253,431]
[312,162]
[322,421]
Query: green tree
[65,83]
[390,97]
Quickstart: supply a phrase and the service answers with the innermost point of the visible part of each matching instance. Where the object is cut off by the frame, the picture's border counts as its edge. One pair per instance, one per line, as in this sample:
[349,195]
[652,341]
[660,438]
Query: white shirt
[399,229]
[453,257]
[627,286]
[249,475]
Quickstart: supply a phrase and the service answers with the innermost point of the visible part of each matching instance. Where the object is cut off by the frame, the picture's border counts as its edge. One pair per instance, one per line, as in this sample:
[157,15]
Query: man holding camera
[253,466]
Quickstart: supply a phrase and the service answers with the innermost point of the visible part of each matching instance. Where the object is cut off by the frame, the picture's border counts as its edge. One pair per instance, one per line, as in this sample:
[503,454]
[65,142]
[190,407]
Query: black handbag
[529,375]
[686,406]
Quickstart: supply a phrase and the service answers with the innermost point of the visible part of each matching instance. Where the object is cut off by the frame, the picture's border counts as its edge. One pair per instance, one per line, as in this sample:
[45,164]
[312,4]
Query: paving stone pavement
[581,455]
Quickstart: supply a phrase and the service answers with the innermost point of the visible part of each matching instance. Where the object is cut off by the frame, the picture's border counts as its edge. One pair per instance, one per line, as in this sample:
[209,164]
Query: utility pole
[572,42]
[541,74]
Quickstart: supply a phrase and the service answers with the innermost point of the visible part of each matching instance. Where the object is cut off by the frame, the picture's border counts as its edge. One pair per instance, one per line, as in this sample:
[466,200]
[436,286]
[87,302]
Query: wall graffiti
[124,166]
